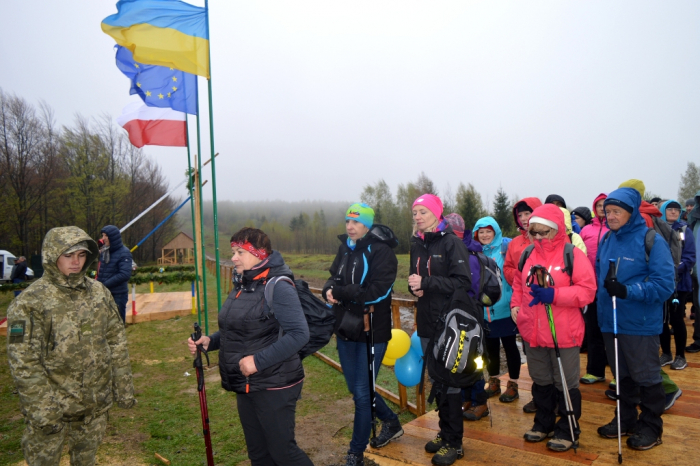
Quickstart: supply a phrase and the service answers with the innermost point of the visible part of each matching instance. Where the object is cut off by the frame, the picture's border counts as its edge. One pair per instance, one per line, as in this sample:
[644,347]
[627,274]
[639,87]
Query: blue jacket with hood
[116,273]
[688,256]
[501,309]
[649,284]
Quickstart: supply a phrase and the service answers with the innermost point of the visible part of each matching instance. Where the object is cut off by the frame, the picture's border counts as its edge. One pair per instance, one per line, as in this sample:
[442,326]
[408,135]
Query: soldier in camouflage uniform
[68,354]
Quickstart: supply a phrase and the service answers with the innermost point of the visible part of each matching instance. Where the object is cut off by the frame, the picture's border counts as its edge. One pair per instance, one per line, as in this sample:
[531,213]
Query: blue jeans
[121,300]
[353,358]
[17,280]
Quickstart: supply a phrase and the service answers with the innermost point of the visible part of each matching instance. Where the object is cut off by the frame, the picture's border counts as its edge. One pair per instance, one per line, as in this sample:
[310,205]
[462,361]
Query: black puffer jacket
[443,262]
[365,276]
[116,273]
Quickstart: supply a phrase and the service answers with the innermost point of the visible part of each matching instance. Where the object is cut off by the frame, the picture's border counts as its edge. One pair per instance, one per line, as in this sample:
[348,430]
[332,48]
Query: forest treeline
[86,174]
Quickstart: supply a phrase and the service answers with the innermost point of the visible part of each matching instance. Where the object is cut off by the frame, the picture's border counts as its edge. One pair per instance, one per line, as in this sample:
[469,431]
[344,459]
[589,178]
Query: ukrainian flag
[162,32]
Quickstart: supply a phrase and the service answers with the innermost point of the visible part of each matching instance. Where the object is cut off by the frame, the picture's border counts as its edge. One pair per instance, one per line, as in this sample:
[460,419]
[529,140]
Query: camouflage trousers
[82,440]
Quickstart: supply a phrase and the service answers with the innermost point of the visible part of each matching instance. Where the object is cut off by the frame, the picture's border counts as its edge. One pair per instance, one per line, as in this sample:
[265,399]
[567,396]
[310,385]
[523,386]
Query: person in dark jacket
[115,267]
[581,216]
[19,272]
[439,267]
[694,227]
[641,287]
[362,278]
[259,351]
[670,212]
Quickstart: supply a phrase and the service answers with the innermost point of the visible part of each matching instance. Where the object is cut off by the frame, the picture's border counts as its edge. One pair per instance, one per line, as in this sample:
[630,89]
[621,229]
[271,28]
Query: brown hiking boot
[476,412]
[511,393]
[494,387]
[466,405]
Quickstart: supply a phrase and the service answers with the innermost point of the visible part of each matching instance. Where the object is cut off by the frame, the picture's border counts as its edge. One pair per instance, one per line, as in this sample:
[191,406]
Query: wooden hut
[180,250]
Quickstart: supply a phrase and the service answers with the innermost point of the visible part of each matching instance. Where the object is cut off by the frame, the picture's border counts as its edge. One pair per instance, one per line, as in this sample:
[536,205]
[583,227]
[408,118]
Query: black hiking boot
[435,444]
[530,407]
[610,430]
[355,459]
[447,455]
[391,430]
[643,441]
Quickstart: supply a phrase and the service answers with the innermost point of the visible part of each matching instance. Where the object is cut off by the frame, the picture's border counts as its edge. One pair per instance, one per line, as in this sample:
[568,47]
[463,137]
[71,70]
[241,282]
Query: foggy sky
[315,99]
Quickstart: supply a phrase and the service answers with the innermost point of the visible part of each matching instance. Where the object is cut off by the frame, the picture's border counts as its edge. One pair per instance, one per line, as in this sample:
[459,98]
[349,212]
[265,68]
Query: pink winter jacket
[568,299]
[593,233]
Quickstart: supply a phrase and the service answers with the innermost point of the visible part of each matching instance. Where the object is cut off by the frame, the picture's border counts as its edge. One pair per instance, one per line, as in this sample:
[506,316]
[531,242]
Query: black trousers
[493,351]
[596,357]
[450,418]
[268,423]
[640,382]
[675,317]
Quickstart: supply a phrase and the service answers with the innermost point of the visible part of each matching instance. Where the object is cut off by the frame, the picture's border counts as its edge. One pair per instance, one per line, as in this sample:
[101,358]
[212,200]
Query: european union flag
[159,86]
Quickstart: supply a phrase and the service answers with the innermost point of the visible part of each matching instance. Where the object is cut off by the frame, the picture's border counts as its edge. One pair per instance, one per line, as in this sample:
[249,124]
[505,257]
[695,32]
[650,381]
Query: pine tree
[503,213]
[469,205]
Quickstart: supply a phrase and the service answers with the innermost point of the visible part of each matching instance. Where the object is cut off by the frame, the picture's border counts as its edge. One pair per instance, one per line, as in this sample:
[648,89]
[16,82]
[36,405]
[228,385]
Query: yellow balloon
[399,344]
[388,361]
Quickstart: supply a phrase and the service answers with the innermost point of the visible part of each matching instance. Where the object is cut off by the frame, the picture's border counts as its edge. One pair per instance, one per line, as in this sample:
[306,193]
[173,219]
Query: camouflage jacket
[66,345]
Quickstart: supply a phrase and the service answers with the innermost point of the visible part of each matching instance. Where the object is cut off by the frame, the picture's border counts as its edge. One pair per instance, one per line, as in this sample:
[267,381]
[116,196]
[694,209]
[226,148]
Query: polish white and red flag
[153,126]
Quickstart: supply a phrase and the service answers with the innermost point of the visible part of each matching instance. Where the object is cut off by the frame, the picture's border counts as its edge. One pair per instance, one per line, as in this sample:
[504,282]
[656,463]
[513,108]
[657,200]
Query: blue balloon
[408,369]
[415,344]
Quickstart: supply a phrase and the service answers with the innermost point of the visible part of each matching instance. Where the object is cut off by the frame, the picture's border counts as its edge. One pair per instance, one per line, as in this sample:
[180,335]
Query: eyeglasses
[673,209]
[541,233]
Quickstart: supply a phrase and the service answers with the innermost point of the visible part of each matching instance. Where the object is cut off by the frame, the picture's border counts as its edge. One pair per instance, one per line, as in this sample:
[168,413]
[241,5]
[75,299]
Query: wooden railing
[401,399]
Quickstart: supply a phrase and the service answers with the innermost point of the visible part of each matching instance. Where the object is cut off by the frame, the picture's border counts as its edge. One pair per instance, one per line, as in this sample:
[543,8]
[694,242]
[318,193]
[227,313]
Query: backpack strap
[569,262]
[270,289]
[524,256]
[649,242]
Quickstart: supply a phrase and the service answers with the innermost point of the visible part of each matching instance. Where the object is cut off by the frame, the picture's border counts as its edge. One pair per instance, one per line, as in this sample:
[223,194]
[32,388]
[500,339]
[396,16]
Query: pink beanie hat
[430,202]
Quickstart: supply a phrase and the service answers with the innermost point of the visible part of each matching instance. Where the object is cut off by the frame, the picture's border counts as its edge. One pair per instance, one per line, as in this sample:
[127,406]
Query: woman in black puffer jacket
[362,277]
[258,351]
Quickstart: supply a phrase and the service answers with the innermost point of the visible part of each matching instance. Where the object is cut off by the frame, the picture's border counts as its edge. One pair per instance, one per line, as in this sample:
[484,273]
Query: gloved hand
[541,295]
[615,288]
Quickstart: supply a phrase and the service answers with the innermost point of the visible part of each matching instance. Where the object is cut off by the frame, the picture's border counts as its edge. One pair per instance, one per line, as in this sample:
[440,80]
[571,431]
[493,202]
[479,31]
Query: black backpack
[319,316]
[490,282]
[568,260]
[457,342]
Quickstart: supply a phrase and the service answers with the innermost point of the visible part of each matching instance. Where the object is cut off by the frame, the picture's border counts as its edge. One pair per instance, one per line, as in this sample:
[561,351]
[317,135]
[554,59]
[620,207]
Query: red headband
[259,253]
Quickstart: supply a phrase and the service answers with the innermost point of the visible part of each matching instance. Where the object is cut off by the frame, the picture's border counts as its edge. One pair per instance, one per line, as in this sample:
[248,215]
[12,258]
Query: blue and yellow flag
[166,33]
[159,86]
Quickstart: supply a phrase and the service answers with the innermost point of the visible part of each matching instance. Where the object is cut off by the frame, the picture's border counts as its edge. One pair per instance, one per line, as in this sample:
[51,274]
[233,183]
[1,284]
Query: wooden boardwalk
[498,438]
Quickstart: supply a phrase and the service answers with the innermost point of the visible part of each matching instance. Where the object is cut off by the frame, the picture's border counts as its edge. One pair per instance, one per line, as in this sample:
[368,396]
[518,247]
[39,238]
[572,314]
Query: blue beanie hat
[361,212]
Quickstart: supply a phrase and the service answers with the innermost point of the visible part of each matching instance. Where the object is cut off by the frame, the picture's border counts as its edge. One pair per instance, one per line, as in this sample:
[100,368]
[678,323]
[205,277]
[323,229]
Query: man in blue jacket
[115,267]
[644,281]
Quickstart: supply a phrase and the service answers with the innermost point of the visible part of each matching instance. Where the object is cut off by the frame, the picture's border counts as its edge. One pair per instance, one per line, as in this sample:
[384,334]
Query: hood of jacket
[274,262]
[531,202]
[471,244]
[567,220]
[632,198]
[555,197]
[649,209]
[554,214]
[115,238]
[377,234]
[663,207]
[492,249]
[56,242]
[599,197]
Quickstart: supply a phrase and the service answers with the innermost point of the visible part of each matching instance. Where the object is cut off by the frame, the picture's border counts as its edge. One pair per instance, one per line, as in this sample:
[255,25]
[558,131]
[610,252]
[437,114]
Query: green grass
[167,418]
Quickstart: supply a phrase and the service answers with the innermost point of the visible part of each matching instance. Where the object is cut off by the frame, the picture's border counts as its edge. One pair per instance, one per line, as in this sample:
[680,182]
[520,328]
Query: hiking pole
[612,275]
[544,279]
[369,337]
[202,392]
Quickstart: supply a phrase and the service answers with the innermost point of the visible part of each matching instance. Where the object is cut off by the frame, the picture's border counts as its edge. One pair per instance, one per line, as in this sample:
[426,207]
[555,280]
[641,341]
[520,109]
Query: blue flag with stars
[159,86]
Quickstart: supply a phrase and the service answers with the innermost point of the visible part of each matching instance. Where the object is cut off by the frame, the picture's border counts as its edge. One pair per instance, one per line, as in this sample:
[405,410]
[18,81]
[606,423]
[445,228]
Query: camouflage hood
[56,242]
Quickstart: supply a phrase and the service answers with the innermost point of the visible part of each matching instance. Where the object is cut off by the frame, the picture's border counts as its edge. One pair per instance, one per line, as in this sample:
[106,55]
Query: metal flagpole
[198,177]
[190,188]
[213,169]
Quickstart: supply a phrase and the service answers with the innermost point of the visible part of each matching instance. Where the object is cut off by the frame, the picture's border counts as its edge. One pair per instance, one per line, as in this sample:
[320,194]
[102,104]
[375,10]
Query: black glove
[615,288]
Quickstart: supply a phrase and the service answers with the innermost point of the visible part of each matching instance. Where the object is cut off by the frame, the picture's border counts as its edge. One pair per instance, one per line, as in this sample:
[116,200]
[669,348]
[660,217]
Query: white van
[7,261]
